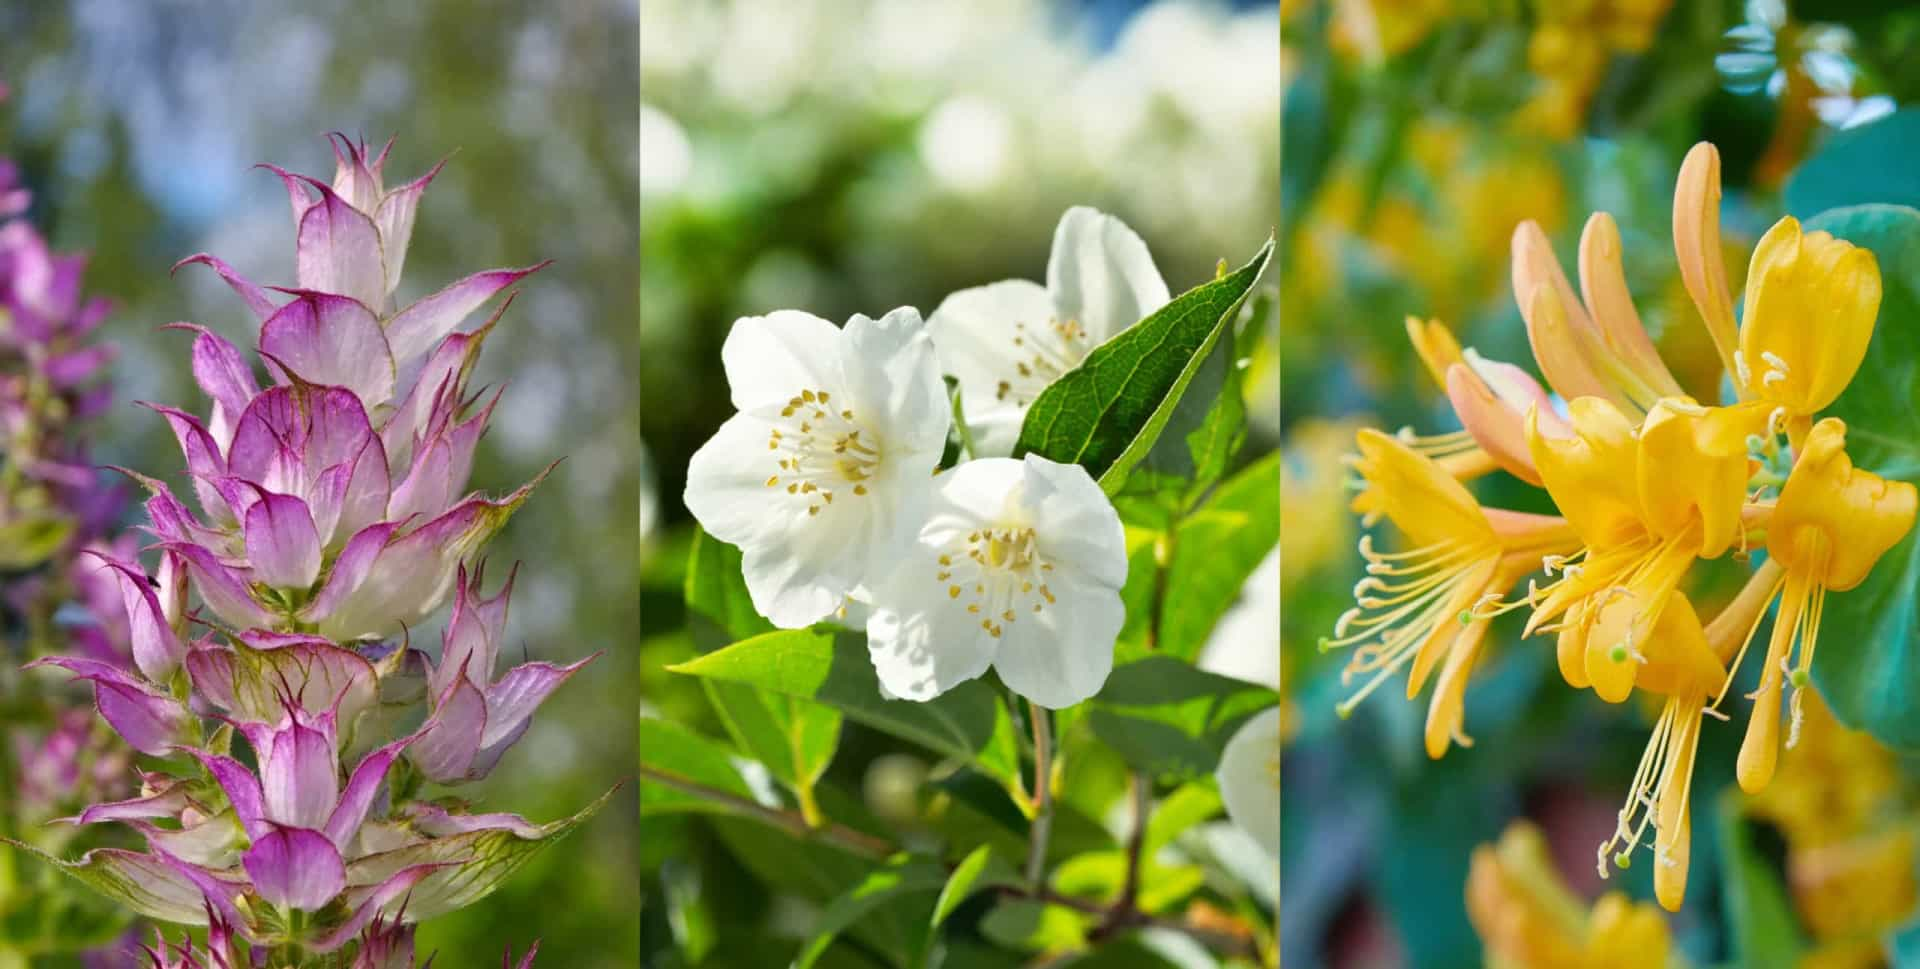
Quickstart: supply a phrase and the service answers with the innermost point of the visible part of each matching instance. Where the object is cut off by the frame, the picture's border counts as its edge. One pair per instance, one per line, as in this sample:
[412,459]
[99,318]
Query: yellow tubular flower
[1527,917]
[1696,244]
[1642,524]
[1457,453]
[1810,306]
[1433,601]
[1832,523]
[1599,349]
[1683,665]
[1491,400]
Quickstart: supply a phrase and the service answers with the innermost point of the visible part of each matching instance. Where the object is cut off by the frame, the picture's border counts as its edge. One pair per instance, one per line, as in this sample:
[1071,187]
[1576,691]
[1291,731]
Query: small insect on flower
[825,472]
[1006,341]
[1019,567]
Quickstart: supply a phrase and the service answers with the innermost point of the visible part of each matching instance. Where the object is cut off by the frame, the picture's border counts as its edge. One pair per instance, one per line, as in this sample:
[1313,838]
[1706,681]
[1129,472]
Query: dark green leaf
[1105,414]
[900,877]
[1870,163]
[672,749]
[967,722]
[1759,915]
[1165,717]
[1868,669]
[979,870]
[1215,551]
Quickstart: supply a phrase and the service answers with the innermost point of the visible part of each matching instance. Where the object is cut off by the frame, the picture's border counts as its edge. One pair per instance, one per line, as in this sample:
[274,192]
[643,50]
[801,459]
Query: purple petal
[255,297]
[339,250]
[446,746]
[526,961]
[332,341]
[471,639]
[414,330]
[224,590]
[352,179]
[395,221]
[223,375]
[243,789]
[350,570]
[165,803]
[439,473]
[202,452]
[68,370]
[296,867]
[511,702]
[413,574]
[352,494]
[282,545]
[156,650]
[298,194]
[372,902]
[360,791]
[434,821]
[298,776]
[289,435]
[443,378]
[257,676]
[149,721]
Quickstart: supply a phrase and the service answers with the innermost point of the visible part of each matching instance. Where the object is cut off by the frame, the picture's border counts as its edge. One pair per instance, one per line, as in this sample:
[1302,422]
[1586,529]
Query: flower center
[1040,355]
[999,574]
[819,449]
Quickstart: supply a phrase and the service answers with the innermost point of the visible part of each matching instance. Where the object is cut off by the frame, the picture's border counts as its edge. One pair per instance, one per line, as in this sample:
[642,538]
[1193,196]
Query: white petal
[980,494]
[973,333]
[1062,654]
[803,580]
[1249,776]
[1076,525]
[1246,642]
[727,488]
[924,642]
[890,369]
[769,359]
[1101,274]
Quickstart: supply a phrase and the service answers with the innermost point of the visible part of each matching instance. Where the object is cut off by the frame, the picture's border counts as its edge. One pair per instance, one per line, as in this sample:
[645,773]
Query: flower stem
[1043,794]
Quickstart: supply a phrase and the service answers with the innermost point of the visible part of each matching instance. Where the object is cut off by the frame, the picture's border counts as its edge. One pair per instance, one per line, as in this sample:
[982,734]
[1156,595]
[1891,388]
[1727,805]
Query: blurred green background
[137,124]
[844,156]
[1417,137]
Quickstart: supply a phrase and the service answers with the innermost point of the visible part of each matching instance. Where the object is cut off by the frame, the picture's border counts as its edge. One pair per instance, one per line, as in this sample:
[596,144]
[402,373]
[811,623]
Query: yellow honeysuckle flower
[1598,348]
[1810,299]
[1490,398]
[1832,523]
[1527,918]
[1429,602]
[1642,524]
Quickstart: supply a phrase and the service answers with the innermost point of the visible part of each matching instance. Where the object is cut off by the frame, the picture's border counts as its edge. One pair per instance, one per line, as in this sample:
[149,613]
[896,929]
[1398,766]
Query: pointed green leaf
[1760,919]
[1105,414]
[900,877]
[1869,163]
[1163,716]
[685,755]
[144,884]
[968,722]
[981,869]
[1868,668]
[1214,552]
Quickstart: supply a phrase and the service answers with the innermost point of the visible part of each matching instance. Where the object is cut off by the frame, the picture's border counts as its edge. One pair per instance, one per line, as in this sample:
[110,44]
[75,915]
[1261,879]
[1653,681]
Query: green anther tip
[1325,644]
[1618,654]
[1798,678]
[1623,860]
[1755,442]
[1466,617]
[1344,710]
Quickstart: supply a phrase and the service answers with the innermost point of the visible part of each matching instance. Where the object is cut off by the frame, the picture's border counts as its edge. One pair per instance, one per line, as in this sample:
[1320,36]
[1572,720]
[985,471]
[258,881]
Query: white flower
[1019,567]
[1246,642]
[1249,776]
[822,478]
[1007,341]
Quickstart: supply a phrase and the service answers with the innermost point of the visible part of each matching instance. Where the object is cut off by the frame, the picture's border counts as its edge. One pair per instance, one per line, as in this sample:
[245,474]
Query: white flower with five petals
[822,478]
[1019,567]
[1005,342]
[1249,777]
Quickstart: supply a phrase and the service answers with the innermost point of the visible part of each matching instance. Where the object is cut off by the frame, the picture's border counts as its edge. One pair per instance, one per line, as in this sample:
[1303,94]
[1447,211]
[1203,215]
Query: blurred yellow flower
[1527,918]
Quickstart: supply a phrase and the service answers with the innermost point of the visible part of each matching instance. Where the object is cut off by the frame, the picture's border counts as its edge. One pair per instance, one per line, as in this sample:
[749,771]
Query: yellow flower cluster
[1568,51]
[1528,918]
[1647,482]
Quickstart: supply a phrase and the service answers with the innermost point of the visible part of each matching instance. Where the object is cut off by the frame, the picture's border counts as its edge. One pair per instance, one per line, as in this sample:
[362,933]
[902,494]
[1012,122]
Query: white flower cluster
[828,476]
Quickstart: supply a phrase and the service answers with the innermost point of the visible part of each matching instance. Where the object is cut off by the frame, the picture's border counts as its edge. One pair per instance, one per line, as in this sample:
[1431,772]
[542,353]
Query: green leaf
[967,722]
[979,870]
[1105,414]
[1760,919]
[901,876]
[795,739]
[30,540]
[1214,552]
[1870,163]
[1869,664]
[1177,812]
[685,755]
[1167,718]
